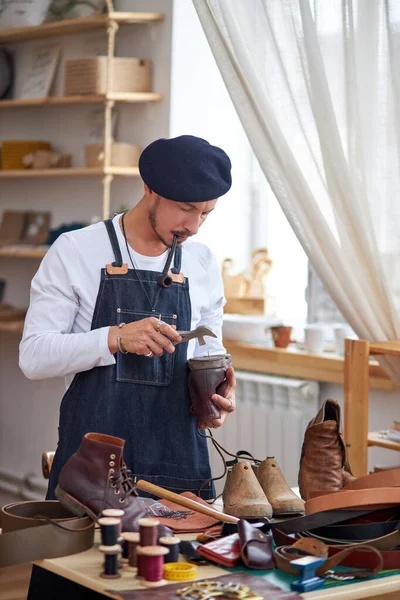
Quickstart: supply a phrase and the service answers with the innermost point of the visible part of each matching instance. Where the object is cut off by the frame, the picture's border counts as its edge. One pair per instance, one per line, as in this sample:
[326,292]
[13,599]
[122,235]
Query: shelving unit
[356,392]
[110,23]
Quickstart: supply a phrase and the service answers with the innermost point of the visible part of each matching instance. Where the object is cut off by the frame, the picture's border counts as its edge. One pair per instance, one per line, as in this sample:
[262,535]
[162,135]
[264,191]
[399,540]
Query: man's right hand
[144,337]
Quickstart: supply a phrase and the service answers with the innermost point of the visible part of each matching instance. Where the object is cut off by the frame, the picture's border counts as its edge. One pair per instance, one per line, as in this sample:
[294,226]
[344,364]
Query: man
[101,316]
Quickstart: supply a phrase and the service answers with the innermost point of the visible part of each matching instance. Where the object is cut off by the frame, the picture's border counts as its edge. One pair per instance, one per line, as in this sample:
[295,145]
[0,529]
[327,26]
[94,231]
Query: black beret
[185,169]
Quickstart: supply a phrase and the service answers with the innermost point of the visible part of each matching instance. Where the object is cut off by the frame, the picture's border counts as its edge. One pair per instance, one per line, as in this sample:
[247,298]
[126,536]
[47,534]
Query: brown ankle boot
[282,499]
[323,462]
[243,495]
[96,477]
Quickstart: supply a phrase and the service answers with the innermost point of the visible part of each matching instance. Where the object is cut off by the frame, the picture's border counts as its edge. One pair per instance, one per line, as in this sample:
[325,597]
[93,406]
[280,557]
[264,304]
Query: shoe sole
[73,504]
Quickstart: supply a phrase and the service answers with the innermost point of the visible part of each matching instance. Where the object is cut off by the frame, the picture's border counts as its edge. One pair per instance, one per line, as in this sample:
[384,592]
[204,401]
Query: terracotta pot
[281,336]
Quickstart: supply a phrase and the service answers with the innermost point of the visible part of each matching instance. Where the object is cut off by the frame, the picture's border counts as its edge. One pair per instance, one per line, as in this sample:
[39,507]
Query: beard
[153,222]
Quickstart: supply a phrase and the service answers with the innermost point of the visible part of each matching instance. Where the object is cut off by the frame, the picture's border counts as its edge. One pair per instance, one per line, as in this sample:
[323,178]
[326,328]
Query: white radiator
[271,416]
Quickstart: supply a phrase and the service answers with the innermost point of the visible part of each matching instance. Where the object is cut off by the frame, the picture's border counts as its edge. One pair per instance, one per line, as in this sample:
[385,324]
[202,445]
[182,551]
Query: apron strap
[177,260]
[114,242]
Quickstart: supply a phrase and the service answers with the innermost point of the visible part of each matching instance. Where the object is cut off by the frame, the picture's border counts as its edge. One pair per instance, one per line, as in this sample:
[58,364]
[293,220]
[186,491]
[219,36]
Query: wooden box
[13,152]
[86,76]
[122,155]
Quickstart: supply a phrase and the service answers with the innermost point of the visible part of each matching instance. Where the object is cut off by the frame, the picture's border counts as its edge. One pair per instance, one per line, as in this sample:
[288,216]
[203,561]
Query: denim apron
[143,400]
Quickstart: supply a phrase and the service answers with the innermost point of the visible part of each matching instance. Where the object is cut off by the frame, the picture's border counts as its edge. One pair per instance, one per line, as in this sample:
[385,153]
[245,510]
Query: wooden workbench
[84,569]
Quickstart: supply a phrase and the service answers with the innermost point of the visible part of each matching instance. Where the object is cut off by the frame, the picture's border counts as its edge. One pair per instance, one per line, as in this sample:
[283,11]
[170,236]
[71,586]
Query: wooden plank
[84,99]
[78,172]
[22,252]
[356,382]
[75,26]
[392,347]
[378,438]
[11,326]
[290,363]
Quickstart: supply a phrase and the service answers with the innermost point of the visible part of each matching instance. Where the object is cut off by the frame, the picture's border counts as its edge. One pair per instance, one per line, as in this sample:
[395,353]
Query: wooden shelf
[392,347]
[294,363]
[22,252]
[74,26]
[378,438]
[11,326]
[81,172]
[95,99]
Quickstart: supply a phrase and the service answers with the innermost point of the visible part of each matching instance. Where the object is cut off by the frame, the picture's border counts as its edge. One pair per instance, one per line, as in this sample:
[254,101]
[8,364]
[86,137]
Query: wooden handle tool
[156,490]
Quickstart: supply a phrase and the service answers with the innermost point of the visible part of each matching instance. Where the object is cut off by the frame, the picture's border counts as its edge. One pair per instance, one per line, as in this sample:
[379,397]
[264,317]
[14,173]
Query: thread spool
[172,545]
[153,559]
[131,544]
[140,562]
[110,561]
[109,530]
[115,513]
[148,529]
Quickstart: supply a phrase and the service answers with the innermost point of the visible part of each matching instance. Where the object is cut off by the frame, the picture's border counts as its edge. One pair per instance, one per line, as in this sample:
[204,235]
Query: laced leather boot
[323,463]
[96,477]
[206,374]
[243,496]
[282,499]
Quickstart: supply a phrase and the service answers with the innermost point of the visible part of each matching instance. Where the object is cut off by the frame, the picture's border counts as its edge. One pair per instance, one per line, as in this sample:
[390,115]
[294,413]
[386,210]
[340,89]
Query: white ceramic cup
[314,338]
[340,332]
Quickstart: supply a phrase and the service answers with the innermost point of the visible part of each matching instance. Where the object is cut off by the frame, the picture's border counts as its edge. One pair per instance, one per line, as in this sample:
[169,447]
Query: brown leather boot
[243,495]
[96,477]
[282,499]
[206,373]
[323,462]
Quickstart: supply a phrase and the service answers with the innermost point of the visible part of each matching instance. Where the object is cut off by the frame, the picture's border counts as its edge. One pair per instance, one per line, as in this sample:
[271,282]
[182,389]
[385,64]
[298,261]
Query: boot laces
[123,479]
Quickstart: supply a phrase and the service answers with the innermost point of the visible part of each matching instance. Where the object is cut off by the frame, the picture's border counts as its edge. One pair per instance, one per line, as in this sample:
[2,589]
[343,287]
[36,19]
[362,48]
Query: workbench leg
[356,382]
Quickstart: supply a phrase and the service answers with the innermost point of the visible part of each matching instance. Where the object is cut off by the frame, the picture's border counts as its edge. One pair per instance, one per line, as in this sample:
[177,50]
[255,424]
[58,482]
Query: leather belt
[356,498]
[43,529]
[307,547]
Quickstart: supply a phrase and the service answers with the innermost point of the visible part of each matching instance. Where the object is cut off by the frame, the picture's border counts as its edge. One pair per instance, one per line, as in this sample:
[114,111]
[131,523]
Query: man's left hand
[225,400]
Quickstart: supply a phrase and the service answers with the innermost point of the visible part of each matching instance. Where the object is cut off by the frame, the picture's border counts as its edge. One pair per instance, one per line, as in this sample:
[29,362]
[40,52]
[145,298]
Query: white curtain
[316,85]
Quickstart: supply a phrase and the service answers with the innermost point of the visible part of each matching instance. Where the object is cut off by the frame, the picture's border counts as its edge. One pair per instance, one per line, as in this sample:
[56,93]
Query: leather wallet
[224,551]
[255,547]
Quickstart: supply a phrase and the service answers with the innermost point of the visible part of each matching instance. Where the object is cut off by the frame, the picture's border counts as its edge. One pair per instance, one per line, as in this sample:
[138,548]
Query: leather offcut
[255,547]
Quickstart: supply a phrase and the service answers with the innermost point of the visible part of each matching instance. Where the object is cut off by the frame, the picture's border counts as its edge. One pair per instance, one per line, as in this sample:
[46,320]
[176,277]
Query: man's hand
[225,399]
[146,337]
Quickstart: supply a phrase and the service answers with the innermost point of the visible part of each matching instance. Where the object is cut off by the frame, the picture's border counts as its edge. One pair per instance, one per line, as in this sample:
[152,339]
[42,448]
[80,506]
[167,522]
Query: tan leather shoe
[243,496]
[323,463]
[282,499]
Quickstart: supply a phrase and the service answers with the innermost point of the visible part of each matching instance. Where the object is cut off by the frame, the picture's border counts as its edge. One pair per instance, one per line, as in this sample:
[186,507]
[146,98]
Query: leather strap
[357,499]
[44,529]
[305,547]
[388,478]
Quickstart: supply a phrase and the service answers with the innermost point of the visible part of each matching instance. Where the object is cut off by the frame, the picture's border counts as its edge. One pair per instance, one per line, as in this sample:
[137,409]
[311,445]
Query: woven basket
[13,151]
[122,155]
[89,75]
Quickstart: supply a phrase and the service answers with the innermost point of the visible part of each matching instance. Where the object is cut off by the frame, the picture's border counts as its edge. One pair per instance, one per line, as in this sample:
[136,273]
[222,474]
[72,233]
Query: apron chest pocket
[132,368]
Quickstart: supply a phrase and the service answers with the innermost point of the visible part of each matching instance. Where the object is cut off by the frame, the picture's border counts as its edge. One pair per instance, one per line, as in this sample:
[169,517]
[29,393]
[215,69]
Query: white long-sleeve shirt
[57,340]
